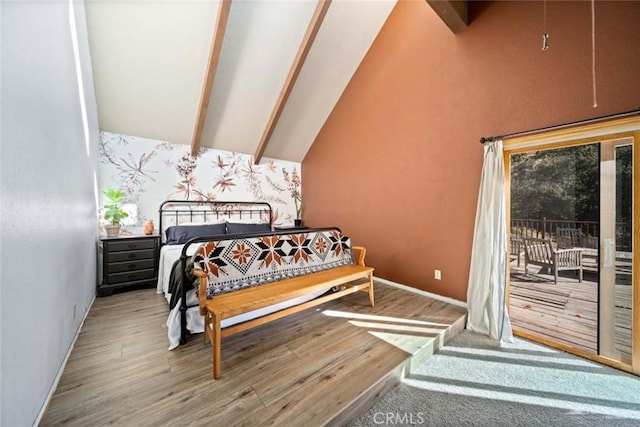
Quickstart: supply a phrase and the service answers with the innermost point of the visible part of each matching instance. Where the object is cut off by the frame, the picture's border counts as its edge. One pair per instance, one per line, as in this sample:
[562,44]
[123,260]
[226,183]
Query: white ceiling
[150,57]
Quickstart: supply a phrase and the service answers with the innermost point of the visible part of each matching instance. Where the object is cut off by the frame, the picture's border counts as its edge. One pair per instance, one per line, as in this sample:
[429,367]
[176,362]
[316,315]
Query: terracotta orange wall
[397,164]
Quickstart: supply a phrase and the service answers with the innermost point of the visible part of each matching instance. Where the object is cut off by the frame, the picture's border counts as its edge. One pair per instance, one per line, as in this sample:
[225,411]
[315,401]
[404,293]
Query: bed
[182,221]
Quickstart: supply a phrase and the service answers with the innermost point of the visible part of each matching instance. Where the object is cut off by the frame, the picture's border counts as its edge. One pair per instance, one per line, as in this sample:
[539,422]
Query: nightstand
[126,261]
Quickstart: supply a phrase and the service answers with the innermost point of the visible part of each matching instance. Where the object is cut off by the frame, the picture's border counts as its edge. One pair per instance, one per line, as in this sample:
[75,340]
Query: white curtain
[486,293]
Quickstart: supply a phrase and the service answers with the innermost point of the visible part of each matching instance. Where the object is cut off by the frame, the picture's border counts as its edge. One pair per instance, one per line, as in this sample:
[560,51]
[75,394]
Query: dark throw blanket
[176,279]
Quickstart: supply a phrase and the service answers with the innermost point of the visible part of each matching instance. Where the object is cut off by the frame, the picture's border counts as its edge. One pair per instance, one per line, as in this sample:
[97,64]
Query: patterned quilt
[235,264]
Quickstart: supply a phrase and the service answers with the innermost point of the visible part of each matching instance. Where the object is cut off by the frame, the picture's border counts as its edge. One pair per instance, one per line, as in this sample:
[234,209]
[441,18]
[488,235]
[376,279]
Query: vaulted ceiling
[257,77]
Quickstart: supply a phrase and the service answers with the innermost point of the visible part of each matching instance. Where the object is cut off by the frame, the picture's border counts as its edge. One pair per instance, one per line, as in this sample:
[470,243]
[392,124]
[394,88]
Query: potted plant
[298,220]
[293,185]
[113,211]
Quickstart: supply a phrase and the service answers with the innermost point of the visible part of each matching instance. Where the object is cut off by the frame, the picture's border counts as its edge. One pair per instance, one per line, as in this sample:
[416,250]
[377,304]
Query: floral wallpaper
[152,171]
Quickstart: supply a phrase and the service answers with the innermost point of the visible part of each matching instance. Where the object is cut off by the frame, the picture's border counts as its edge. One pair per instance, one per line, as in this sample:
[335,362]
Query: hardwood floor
[324,365]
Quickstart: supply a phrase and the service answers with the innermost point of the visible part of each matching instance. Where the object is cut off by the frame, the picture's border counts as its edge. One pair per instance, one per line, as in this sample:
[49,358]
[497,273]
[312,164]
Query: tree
[624,197]
[564,184]
[558,184]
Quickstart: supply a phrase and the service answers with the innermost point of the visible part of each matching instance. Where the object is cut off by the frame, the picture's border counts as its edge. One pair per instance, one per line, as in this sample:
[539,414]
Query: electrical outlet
[438,275]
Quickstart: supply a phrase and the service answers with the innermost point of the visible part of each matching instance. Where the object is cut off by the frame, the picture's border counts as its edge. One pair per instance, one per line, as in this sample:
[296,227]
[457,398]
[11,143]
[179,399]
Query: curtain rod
[580,122]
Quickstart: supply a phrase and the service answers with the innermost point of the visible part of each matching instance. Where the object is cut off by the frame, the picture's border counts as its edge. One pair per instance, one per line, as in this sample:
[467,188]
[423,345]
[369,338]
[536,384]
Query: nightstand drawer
[130,276]
[118,267]
[127,261]
[129,256]
[131,245]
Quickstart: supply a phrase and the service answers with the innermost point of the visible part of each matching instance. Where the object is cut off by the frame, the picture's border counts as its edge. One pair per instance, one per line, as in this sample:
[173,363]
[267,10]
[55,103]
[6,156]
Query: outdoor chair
[540,252]
[567,238]
[516,246]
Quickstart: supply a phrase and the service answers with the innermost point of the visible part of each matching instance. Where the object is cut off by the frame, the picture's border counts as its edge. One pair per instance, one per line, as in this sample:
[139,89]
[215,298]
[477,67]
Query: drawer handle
[131,276]
[132,256]
[131,266]
[132,245]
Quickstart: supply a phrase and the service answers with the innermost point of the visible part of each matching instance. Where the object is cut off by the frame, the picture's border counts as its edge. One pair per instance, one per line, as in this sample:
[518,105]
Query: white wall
[47,199]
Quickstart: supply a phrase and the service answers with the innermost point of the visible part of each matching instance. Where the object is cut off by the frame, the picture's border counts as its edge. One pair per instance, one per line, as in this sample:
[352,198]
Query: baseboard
[56,381]
[421,292]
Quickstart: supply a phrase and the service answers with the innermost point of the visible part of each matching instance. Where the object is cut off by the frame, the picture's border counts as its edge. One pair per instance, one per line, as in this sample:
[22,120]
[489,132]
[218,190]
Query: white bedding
[195,322]
[168,255]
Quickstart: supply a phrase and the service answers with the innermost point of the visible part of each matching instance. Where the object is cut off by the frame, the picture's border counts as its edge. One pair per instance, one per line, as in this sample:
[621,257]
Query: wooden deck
[321,366]
[566,312]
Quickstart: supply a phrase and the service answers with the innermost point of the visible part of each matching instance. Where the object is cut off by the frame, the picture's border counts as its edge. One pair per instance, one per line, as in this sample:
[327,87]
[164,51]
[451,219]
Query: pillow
[179,234]
[246,220]
[240,227]
[208,221]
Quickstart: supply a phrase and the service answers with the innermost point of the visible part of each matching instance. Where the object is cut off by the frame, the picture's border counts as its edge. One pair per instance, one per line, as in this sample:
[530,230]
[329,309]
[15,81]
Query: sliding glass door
[572,281]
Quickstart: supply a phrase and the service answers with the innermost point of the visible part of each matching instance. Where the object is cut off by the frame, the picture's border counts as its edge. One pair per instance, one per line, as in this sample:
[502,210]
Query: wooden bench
[540,252]
[348,277]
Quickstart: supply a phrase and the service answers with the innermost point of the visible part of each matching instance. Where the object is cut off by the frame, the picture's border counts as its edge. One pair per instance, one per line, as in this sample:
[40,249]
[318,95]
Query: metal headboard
[202,211]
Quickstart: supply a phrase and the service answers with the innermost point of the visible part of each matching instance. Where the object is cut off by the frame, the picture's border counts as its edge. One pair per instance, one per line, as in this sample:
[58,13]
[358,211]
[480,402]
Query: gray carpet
[471,382]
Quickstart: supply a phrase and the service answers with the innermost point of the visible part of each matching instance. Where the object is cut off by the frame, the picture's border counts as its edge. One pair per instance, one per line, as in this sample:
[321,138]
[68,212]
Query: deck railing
[590,230]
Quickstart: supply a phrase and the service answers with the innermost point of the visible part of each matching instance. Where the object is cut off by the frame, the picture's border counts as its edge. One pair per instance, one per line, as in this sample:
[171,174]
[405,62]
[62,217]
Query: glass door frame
[607,246]
[627,127]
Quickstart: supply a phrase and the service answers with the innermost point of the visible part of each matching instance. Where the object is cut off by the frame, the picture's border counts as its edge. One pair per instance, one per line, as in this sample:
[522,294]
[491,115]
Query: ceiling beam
[454,13]
[212,65]
[296,66]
